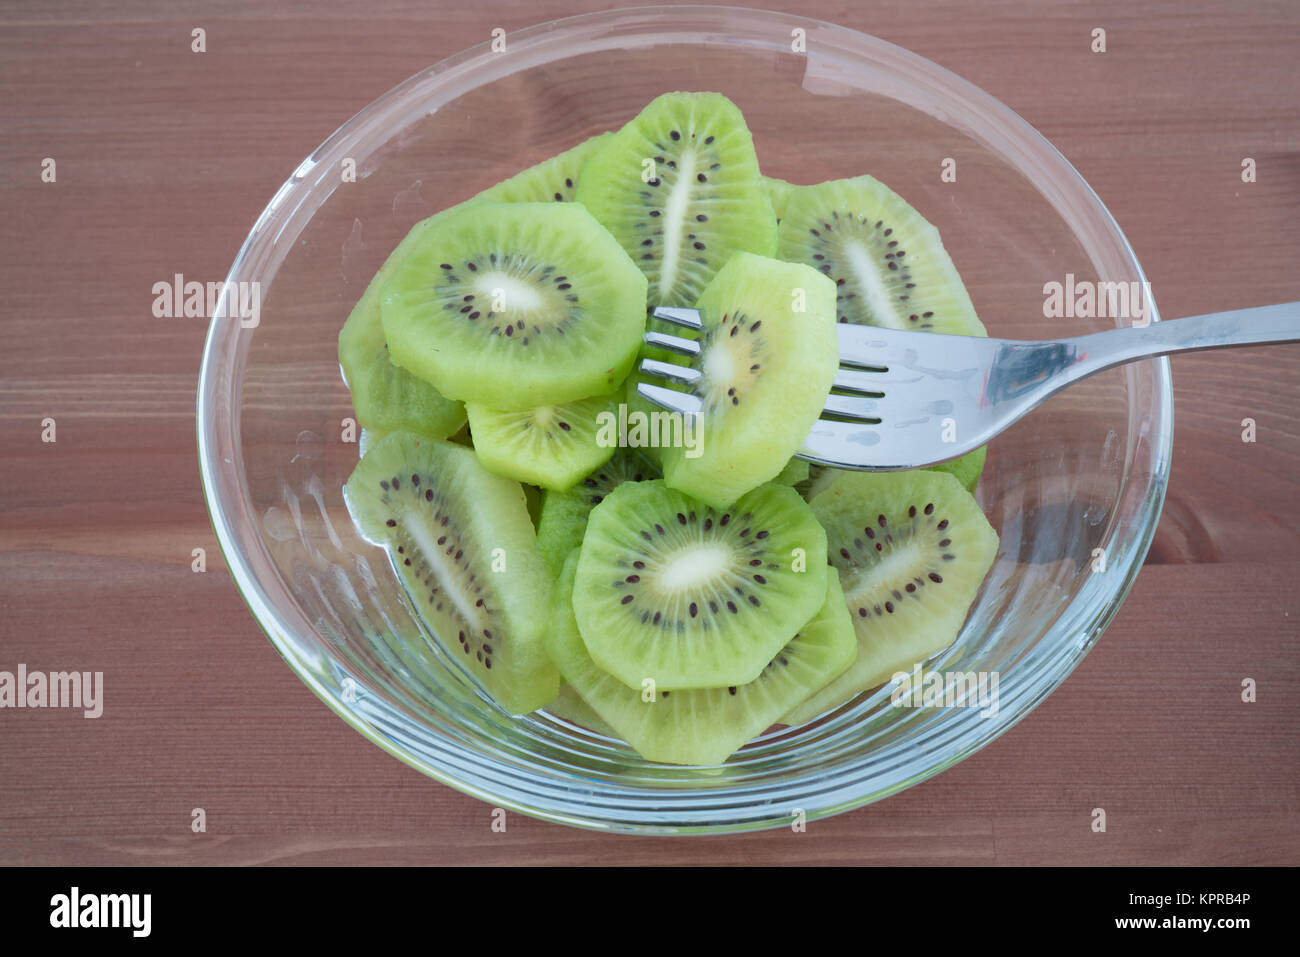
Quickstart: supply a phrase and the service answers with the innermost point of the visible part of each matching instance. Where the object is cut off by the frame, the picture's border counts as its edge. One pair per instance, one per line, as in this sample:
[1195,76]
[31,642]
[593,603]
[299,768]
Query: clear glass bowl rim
[637,809]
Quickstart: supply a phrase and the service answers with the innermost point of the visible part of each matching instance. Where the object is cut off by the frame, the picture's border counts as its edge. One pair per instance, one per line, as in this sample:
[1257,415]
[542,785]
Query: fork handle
[1215,330]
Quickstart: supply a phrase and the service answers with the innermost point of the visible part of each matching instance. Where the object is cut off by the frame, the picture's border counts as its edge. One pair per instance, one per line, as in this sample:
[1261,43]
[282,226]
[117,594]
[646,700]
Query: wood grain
[166,158]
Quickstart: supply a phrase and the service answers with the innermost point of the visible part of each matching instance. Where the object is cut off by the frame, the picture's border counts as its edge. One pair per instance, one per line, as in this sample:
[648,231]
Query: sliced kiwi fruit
[795,472]
[570,707]
[887,261]
[679,188]
[552,446]
[703,726]
[388,398]
[462,436]
[551,181]
[912,549]
[819,477]
[367,438]
[674,591]
[516,305]
[768,357]
[967,468]
[889,265]
[533,500]
[527,305]
[639,407]
[778,193]
[463,547]
[563,519]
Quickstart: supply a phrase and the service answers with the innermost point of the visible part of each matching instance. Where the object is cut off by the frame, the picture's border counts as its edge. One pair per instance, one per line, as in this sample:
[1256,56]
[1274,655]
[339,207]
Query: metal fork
[902,400]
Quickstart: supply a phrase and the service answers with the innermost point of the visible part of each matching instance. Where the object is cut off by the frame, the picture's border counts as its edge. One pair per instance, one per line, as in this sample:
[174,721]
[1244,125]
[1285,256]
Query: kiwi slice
[887,261]
[778,193]
[819,478]
[570,707]
[563,519]
[689,596]
[967,468]
[643,409]
[679,188]
[766,368]
[703,726]
[463,547]
[912,549]
[795,472]
[516,305]
[533,500]
[552,445]
[551,181]
[388,398]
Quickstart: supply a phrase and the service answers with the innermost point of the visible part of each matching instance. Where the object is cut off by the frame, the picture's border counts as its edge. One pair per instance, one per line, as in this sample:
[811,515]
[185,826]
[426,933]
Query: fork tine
[690,318]
[867,383]
[671,371]
[852,406]
[892,389]
[682,402]
[685,347]
[862,408]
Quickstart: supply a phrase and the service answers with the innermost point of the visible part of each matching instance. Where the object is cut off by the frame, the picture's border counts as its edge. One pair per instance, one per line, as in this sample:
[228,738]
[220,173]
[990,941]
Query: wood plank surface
[166,158]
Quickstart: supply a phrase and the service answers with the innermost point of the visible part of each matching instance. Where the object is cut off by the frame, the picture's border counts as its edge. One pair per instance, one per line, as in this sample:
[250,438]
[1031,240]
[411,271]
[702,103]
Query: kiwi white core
[416,527]
[515,295]
[693,566]
[719,366]
[679,200]
[898,564]
[873,290]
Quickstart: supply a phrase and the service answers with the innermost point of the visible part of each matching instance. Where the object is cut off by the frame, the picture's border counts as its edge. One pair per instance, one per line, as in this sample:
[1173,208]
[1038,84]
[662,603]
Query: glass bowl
[1074,490]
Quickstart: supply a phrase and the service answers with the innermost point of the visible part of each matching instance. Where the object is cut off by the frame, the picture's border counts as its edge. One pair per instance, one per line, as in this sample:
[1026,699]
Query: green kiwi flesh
[769,354]
[967,469]
[795,472]
[552,446]
[551,181]
[463,546]
[888,263]
[703,726]
[643,409]
[744,604]
[516,305]
[386,397]
[778,193]
[912,549]
[533,500]
[570,707]
[674,591]
[680,189]
[563,519]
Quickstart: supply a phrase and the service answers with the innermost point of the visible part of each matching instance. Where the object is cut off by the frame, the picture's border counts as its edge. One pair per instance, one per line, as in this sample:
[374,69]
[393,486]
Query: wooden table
[164,159]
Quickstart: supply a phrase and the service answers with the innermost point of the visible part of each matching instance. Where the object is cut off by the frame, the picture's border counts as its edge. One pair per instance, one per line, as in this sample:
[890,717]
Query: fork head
[900,400]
